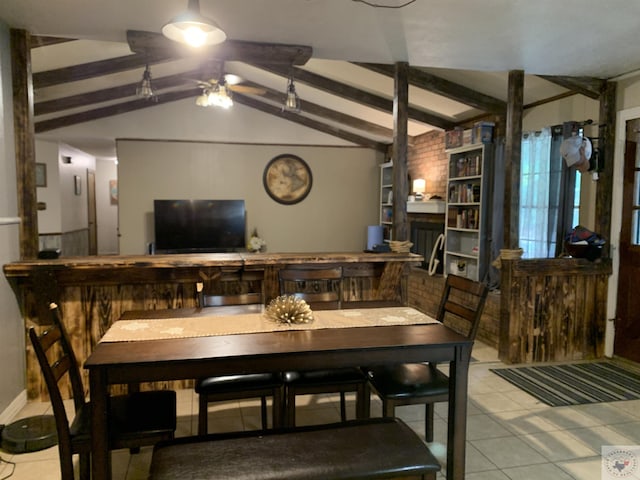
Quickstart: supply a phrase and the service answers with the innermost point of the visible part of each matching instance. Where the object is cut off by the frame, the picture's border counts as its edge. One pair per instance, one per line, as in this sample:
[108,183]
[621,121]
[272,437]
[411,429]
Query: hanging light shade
[193,29]
[292,102]
[145,89]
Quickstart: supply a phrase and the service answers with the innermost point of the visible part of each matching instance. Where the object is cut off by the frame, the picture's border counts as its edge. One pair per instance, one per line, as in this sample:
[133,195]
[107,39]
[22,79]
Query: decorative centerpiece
[290,310]
[256,244]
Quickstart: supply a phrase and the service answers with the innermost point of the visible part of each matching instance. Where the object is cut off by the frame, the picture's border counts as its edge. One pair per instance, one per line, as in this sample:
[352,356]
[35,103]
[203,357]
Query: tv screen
[207,226]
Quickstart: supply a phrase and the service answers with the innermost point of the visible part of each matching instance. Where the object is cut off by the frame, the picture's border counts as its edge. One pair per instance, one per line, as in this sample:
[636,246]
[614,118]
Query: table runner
[159,329]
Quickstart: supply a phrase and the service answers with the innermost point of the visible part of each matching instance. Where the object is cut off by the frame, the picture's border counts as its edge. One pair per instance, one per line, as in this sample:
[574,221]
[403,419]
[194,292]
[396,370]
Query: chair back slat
[321,288]
[225,300]
[462,304]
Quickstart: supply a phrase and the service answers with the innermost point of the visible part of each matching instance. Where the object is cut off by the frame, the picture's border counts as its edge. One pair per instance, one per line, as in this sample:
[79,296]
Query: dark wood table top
[184,358]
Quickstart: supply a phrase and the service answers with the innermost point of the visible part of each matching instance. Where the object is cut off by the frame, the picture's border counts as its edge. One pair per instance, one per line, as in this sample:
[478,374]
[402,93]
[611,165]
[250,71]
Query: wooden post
[400,151]
[24,142]
[513,147]
[606,142]
[513,150]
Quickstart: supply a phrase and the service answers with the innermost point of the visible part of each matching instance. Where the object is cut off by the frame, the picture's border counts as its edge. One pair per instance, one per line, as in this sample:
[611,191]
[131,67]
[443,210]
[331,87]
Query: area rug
[576,383]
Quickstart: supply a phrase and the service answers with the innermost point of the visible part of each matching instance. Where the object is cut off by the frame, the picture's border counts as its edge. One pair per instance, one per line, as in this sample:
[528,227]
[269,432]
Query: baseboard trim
[9,413]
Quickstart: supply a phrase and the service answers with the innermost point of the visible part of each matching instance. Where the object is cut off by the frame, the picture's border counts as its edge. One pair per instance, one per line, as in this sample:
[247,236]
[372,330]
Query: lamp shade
[419,185]
[193,29]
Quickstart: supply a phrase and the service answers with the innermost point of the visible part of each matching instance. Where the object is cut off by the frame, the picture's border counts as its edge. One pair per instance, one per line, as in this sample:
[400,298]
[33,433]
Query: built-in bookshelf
[386,199]
[466,212]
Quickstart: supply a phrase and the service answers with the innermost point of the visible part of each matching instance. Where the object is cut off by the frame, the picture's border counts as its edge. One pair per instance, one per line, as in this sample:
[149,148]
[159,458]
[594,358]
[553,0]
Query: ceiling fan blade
[149,43]
[247,89]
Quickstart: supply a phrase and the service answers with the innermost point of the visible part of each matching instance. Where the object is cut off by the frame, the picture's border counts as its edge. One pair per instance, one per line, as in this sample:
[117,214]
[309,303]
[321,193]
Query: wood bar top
[124,262]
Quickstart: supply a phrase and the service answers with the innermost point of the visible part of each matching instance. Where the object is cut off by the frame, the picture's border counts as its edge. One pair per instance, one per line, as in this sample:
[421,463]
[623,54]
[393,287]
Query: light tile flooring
[510,435]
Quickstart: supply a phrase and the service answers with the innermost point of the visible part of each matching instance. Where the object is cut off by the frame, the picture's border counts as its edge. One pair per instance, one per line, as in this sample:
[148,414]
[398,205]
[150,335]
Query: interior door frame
[616,222]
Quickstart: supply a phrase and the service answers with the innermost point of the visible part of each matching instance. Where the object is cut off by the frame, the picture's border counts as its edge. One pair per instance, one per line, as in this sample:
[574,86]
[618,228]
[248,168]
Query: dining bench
[371,448]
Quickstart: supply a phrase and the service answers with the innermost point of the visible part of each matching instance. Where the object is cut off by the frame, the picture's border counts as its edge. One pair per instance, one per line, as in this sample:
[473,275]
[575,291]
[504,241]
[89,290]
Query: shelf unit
[466,222]
[386,199]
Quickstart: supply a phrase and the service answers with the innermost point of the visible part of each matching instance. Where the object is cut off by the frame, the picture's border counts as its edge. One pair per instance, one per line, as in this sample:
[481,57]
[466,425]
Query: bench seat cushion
[374,448]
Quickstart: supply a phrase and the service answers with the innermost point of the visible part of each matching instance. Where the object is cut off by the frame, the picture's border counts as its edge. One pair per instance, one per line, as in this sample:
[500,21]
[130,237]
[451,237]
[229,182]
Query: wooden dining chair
[236,387]
[460,308]
[135,420]
[321,288]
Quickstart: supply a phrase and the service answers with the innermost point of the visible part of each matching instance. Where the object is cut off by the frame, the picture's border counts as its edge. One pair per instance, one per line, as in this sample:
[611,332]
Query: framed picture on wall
[41,174]
[77,185]
[113,191]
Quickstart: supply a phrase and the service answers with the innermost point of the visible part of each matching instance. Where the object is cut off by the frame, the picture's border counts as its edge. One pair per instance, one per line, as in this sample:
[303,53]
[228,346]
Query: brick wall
[427,159]
[425,291]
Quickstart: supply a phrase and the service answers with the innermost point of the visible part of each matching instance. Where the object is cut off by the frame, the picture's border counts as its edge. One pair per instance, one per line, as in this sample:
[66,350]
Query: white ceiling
[449,39]
[568,37]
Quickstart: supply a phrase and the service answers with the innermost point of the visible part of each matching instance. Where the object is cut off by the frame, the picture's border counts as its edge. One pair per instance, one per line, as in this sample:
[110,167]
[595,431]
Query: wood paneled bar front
[93,292]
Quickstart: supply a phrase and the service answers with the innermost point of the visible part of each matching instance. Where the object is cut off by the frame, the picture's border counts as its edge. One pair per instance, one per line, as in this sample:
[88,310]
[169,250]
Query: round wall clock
[287,179]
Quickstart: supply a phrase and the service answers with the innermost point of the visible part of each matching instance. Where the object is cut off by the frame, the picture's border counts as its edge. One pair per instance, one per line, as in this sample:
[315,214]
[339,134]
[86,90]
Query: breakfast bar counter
[93,292]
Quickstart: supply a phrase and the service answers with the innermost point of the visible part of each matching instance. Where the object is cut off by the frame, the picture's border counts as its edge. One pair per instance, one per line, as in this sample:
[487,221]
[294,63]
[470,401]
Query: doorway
[91,212]
[627,321]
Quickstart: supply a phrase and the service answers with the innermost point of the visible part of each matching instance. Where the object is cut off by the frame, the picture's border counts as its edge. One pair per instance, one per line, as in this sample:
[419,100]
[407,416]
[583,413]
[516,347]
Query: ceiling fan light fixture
[292,102]
[145,88]
[203,99]
[191,28]
[221,97]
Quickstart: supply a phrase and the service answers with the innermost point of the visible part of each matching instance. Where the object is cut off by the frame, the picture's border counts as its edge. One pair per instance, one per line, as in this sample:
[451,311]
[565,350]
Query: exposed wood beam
[308,122]
[42,41]
[94,69]
[98,113]
[110,94]
[155,43]
[326,113]
[443,87]
[549,100]
[356,95]
[587,86]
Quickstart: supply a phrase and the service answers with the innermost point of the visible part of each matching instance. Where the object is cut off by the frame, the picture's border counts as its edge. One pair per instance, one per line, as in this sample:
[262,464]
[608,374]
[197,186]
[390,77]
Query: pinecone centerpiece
[290,310]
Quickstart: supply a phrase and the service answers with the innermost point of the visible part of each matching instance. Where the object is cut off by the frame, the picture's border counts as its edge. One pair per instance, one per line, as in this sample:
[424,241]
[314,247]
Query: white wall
[107,212]
[12,347]
[50,219]
[334,217]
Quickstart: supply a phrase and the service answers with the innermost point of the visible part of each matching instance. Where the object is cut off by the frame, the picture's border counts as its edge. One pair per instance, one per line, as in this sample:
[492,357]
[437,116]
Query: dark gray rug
[576,383]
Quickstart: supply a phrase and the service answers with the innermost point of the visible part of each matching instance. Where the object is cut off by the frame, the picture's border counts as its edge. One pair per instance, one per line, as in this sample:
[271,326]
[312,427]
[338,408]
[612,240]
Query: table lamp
[419,187]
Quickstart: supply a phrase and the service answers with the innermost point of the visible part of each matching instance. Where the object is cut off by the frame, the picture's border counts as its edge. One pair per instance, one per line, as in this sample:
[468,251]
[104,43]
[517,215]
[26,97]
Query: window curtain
[534,193]
[542,187]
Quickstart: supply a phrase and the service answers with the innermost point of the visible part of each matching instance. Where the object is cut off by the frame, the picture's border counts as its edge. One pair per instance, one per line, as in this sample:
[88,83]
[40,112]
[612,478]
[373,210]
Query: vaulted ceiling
[88,59]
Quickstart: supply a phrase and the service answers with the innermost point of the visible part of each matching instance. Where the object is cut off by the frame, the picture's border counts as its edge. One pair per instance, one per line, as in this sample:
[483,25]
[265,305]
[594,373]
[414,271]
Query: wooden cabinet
[386,199]
[467,212]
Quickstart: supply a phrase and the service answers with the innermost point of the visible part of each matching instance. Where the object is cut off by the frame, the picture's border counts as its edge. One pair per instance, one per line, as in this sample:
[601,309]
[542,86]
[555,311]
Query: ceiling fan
[217,92]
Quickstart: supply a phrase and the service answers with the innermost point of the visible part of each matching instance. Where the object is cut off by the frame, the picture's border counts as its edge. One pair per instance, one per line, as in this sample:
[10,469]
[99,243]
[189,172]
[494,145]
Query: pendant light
[193,29]
[145,89]
[292,102]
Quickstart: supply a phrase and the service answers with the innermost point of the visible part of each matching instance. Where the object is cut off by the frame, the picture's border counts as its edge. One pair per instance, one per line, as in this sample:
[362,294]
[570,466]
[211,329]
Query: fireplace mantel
[426,206]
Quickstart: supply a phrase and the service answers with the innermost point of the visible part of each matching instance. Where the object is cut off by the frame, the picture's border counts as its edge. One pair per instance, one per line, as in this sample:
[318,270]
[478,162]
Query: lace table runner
[159,329]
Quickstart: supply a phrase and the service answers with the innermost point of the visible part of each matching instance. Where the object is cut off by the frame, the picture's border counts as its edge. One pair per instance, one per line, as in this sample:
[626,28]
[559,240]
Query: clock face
[287,179]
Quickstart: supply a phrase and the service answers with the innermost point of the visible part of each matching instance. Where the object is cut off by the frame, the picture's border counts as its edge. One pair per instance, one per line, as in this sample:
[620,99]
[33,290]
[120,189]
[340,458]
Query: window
[548,189]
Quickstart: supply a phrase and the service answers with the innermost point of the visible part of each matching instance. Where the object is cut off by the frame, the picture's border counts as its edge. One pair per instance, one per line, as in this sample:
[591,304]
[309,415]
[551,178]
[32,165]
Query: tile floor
[510,435]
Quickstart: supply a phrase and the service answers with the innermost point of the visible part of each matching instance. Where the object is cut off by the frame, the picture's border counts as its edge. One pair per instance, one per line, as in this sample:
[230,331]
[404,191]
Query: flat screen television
[199,226]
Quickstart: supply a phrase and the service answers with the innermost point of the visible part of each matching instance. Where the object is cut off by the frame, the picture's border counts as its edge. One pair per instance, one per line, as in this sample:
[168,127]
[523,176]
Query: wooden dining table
[189,357]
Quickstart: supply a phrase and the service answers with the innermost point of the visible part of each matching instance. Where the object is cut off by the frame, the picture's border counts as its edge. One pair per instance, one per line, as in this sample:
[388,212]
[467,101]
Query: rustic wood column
[511,238]
[606,143]
[512,151]
[400,151]
[24,142]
